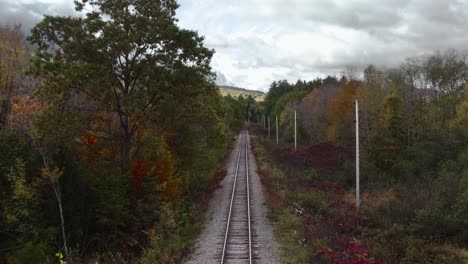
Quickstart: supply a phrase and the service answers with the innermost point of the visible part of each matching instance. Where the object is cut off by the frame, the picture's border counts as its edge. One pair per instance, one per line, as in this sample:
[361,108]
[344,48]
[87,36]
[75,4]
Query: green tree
[21,210]
[277,89]
[122,58]
[235,113]
[292,97]
[389,141]
[372,95]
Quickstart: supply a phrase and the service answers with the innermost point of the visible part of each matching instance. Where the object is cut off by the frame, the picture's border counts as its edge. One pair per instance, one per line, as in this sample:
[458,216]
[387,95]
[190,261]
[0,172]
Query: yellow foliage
[23,110]
[164,166]
[165,169]
[341,113]
[461,117]
[53,175]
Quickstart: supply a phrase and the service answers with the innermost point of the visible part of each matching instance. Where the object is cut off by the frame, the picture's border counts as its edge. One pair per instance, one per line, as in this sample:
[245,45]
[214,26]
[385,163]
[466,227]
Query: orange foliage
[341,113]
[90,139]
[169,138]
[160,166]
[172,191]
[164,167]
[23,110]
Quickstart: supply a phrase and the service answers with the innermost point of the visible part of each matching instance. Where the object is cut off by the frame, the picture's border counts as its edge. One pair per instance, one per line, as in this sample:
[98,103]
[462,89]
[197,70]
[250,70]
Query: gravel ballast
[209,244]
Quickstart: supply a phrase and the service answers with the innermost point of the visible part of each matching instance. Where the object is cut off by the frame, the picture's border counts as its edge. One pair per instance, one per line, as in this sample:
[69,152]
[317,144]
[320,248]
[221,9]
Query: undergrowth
[311,205]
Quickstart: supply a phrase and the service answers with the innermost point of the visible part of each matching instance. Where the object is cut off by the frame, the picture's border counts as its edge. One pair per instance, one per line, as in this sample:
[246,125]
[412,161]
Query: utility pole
[295,130]
[357,154]
[276,129]
[268,127]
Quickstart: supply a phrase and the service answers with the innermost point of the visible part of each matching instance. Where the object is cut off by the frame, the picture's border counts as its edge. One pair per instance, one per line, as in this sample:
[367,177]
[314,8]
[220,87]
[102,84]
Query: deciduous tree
[124,57]
[14,56]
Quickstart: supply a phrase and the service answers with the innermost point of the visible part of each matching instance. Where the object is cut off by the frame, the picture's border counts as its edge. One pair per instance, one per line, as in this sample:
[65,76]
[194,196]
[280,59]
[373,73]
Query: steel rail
[244,144]
[230,206]
[248,192]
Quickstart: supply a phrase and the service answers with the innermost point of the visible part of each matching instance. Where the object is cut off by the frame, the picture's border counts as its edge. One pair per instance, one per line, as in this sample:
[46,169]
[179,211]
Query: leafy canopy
[123,57]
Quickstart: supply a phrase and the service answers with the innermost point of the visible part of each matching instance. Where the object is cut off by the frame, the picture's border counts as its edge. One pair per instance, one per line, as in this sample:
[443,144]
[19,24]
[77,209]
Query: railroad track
[239,244]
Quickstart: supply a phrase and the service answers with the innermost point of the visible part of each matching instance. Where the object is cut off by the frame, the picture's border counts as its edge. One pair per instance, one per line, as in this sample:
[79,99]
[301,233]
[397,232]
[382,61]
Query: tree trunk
[125,144]
[5,107]
[125,154]
[58,195]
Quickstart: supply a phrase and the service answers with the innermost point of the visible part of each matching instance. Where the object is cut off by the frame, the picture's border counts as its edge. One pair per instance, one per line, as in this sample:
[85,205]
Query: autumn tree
[14,56]
[21,209]
[388,140]
[430,87]
[372,95]
[123,58]
[314,109]
[341,114]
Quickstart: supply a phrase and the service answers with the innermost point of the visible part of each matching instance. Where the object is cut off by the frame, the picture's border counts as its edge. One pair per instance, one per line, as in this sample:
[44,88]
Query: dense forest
[414,177]
[112,133]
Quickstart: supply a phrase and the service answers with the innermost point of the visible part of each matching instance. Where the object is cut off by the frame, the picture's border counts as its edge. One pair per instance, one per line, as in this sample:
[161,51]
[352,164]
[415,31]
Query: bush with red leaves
[324,157]
[352,253]
[341,226]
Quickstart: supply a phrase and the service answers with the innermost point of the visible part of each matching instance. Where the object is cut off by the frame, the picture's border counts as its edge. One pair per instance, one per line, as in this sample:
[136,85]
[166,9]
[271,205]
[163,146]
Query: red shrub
[139,171]
[324,157]
[350,252]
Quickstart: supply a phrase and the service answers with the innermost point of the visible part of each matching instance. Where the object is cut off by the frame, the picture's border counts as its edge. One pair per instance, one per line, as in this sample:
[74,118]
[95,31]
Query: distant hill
[235,92]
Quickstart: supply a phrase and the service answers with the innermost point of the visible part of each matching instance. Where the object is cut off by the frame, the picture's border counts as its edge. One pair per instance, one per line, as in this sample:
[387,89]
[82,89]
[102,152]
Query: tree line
[413,133]
[111,131]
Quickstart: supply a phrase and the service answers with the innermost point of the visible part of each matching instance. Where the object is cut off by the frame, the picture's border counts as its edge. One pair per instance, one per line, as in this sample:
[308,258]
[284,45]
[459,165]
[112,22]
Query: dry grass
[236,92]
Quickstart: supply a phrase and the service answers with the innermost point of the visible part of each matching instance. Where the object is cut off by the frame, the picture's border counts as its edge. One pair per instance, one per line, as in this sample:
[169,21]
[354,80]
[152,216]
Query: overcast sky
[259,41]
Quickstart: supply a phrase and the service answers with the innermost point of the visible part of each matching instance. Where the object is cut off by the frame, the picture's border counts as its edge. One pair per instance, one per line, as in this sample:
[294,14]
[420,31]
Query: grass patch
[286,225]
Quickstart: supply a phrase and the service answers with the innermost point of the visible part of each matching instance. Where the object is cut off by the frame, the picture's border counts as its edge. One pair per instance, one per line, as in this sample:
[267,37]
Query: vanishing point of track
[237,244]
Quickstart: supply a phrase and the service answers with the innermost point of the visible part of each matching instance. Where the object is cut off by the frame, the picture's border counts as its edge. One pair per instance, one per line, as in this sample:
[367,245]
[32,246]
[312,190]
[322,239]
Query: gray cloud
[258,41]
[29,13]
[325,37]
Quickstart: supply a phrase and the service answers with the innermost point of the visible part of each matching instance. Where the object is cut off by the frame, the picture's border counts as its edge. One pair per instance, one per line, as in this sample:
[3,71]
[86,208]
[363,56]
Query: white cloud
[29,12]
[258,41]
